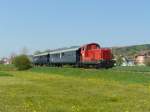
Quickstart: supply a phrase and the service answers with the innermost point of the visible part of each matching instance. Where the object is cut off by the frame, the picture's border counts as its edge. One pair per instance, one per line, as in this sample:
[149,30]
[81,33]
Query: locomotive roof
[59,51]
[91,44]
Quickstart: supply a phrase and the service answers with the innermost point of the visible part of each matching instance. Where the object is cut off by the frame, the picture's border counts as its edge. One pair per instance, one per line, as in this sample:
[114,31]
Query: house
[141,57]
[5,61]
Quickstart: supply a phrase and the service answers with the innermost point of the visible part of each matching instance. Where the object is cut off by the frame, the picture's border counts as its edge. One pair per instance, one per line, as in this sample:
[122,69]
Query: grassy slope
[131,50]
[74,90]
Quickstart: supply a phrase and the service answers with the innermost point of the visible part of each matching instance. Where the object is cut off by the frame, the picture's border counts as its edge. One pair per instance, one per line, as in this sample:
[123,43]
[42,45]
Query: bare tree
[12,56]
[24,51]
[37,52]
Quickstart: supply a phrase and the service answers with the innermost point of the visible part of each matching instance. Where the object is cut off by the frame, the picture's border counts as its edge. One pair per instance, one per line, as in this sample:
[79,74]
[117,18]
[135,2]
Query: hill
[131,51]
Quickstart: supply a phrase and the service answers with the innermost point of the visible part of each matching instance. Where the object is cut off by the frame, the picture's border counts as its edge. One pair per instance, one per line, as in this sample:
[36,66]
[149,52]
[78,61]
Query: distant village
[138,60]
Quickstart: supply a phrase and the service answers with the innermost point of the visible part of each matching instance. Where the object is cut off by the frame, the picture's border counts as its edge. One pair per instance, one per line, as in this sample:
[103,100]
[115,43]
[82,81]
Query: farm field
[44,89]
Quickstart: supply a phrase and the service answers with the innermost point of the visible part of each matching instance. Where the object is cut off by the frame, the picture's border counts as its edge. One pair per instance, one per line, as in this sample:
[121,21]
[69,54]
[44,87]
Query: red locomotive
[93,54]
[90,55]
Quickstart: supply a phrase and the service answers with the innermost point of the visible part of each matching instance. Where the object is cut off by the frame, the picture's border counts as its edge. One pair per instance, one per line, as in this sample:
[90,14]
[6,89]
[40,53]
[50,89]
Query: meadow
[45,89]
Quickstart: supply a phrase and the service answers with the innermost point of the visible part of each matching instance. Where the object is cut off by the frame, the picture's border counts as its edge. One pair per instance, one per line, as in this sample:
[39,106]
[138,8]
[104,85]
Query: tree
[37,52]
[12,56]
[22,62]
[119,60]
[24,51]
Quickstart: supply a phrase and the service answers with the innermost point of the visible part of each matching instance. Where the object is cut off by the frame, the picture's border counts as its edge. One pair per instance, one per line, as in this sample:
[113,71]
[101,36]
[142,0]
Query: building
[141,57]
[5,61]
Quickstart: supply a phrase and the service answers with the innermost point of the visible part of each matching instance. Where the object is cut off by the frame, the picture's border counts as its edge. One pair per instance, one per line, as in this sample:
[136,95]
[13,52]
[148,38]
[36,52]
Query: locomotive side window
[82,49]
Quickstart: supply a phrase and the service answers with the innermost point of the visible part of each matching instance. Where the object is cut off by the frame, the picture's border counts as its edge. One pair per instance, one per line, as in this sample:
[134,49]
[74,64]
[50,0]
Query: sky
[50,24]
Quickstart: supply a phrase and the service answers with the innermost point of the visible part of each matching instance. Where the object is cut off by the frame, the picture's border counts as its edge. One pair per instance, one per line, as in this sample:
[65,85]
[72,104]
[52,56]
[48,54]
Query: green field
[44,89]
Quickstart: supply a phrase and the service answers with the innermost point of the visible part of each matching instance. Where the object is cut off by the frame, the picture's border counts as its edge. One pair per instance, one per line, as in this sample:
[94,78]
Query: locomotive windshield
[93,46]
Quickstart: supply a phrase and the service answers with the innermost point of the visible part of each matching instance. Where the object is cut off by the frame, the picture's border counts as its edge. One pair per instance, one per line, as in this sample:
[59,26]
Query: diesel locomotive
[89,55]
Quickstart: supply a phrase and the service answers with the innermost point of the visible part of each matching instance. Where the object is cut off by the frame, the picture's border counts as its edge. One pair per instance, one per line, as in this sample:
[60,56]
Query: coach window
[56,55]
[63,54]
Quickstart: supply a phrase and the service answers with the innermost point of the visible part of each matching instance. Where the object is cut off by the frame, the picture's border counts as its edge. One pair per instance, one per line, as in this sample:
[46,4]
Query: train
[89,55]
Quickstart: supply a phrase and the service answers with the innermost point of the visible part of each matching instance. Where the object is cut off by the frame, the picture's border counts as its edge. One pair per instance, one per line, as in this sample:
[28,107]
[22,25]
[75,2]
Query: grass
[112,74]
[44,89]
[7,67]
[3,74]
[133,69]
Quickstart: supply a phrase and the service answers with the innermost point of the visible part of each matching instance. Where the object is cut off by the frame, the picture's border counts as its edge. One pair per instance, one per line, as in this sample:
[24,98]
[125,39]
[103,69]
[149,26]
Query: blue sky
[43,24]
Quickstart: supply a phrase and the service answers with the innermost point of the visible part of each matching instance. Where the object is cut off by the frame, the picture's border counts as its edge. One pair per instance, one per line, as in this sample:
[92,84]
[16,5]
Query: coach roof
[64,50]
[42,54]
[59,51]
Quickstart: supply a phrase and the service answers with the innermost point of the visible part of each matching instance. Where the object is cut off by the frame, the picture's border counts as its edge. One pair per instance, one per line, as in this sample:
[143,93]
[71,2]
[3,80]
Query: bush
[22,62]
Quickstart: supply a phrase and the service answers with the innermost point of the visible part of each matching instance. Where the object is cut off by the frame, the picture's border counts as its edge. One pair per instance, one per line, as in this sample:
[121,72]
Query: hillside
[130,51]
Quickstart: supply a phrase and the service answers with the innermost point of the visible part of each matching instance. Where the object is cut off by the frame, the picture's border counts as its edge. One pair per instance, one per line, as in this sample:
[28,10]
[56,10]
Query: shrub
[119,60]
[22,62]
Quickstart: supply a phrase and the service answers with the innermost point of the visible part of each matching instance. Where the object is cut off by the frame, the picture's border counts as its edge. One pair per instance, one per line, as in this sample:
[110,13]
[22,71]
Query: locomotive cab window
[88,47]
[94,47]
